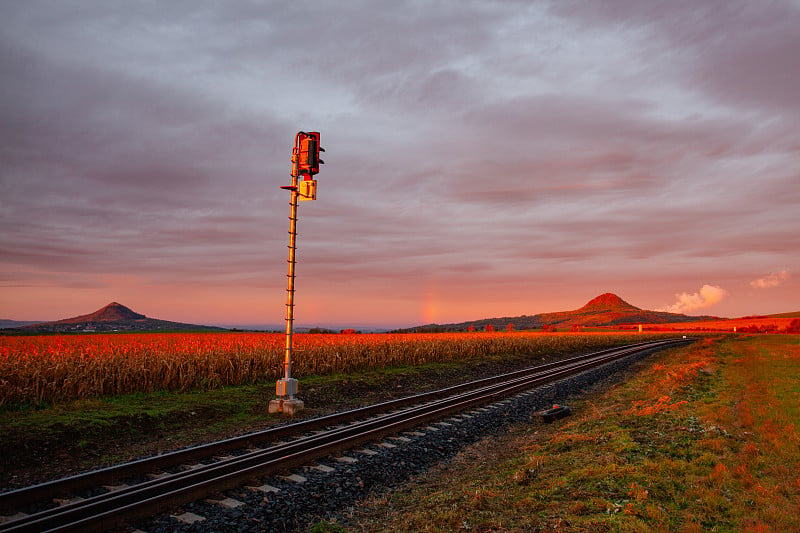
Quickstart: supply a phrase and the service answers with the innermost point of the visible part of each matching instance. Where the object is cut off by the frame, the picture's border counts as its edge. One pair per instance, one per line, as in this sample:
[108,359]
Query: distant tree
[510,327]
[489,327]
[794,326]
[471,328]
[348,331]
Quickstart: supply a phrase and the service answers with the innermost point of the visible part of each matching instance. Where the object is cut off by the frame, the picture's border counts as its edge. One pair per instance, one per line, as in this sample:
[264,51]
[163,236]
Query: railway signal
[305,163]
[308,153]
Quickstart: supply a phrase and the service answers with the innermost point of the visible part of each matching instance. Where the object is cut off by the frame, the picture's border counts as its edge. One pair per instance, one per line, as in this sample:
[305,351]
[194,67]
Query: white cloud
[771,280]
[707,297]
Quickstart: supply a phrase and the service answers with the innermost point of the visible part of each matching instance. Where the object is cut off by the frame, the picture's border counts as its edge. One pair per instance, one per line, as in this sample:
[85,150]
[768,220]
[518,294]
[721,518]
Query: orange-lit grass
[46,369]
[724,457]
[662,405]
[762,396]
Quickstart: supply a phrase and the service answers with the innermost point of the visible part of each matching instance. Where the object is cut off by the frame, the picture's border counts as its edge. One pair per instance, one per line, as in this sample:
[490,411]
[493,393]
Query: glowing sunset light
[482,159]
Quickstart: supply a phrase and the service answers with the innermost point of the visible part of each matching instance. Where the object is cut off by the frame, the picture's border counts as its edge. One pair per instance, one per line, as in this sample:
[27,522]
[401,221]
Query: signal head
[309,149]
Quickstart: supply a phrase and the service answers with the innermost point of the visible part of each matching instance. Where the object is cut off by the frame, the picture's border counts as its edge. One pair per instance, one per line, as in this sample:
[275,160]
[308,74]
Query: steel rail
[157,495]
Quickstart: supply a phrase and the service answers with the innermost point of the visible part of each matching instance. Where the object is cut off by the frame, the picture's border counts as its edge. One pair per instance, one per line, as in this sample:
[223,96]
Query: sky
[482,158]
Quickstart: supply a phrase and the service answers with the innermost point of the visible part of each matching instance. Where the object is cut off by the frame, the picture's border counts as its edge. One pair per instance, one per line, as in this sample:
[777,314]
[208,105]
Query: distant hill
[610,310]
[113,312]
[606,310]
[6,323]
[796,314]
[113,317]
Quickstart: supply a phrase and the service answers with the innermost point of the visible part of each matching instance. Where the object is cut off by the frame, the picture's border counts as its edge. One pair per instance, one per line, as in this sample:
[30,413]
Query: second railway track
[264,453]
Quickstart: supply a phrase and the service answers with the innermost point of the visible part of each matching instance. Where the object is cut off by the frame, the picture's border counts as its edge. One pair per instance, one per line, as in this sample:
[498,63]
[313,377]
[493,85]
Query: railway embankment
[700,438]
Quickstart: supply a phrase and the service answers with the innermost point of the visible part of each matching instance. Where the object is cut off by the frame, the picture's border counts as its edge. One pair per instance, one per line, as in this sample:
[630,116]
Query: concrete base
[287,407]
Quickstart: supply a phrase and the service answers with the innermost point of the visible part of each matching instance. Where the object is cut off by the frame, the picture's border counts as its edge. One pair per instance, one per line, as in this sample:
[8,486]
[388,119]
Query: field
[36,371]
[702,438]
[754,324]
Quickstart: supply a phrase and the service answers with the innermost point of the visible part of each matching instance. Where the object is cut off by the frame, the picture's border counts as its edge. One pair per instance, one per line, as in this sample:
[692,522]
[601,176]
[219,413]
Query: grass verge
[704,438]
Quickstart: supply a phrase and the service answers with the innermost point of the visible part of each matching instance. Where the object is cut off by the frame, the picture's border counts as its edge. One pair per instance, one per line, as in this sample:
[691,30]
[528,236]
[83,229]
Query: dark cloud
[739,53]
[472,146]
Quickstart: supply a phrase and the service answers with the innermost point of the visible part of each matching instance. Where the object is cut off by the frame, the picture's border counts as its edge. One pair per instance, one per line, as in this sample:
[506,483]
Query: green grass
[704,438]
[102,411]
[242,402]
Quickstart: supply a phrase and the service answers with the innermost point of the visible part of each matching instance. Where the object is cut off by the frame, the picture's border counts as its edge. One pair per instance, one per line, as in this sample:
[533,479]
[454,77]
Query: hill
[611,310]
[113,317]
[605,310]
[796,314]
[113,312]
[7,323]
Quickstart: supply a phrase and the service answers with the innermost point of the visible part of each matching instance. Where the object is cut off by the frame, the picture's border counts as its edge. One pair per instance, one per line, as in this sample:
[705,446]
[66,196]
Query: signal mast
[305,163]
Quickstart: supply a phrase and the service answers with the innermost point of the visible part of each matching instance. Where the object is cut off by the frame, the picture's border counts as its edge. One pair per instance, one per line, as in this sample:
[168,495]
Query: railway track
[194,473]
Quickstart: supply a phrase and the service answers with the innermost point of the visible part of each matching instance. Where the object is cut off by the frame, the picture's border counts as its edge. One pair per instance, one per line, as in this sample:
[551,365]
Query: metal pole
[287,363]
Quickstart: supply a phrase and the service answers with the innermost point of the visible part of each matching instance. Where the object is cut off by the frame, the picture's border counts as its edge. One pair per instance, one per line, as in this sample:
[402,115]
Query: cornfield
[48,369]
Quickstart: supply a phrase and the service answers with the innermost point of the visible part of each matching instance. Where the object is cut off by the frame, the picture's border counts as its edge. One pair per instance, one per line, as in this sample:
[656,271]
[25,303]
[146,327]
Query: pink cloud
[708,296]
[771,280]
